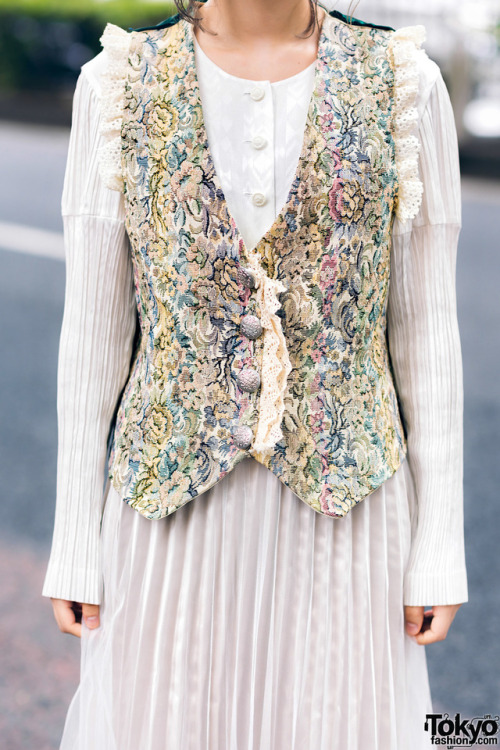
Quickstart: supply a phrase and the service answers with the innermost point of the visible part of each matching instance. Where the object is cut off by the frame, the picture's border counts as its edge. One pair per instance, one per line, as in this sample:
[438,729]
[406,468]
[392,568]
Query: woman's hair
[189,12]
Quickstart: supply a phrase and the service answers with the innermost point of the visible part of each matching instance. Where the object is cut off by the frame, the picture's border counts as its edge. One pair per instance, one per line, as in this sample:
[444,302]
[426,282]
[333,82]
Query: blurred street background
[43,44]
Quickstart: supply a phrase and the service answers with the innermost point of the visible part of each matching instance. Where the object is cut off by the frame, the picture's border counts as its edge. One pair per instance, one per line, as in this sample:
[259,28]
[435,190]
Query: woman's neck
[259,39]
[246,21]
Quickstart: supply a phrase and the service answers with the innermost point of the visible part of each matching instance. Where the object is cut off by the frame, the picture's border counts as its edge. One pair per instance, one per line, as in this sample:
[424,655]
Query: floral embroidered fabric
[327,420]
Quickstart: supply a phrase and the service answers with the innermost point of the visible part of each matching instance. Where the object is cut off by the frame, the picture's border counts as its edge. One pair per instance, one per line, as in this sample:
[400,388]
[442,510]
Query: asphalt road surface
[41,664]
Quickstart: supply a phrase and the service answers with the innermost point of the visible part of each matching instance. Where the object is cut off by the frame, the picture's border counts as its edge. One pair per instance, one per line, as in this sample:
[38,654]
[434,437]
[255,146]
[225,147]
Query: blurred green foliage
[128,12]
[44,43]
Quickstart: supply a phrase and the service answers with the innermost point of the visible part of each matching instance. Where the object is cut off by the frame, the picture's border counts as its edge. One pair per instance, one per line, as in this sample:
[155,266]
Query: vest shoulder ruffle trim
[404,47]
[115,41]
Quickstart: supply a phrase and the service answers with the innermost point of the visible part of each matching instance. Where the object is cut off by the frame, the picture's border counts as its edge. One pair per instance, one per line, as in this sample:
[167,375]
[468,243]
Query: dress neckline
[221,71]
[187,44]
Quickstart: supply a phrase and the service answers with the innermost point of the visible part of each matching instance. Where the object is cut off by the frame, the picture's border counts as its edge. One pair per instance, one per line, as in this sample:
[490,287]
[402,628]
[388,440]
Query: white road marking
[23,239]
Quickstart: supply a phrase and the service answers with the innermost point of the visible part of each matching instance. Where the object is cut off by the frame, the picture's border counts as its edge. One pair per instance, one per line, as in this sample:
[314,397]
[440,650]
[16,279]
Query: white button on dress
[259,199]
[257,93]
[258,142]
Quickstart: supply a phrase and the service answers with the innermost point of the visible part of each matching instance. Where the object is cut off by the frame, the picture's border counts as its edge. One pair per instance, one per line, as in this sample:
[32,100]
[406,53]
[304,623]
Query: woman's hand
[69,616]
[430,625]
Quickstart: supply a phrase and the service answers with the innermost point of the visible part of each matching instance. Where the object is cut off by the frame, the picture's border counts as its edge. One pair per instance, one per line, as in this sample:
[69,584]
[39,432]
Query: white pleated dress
[246,620]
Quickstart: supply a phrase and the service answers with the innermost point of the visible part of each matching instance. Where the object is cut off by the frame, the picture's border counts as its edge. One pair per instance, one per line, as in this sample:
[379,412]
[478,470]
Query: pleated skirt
[248,621]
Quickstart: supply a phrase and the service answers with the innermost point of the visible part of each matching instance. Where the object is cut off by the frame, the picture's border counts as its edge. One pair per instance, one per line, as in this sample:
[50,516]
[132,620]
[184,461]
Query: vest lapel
[181,55]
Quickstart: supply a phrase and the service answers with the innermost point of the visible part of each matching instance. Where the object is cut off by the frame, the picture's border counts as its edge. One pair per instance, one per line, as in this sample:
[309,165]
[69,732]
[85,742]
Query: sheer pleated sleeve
[94,351]
[425,348]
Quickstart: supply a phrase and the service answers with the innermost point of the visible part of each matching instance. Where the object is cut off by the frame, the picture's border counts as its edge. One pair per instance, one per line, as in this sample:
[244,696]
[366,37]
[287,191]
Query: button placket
[268,428]
[248,379]
[260,180]
[261,154]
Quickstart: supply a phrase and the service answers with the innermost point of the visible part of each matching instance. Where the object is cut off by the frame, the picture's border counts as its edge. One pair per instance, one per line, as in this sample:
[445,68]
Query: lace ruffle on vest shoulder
[404,47]
[115,41]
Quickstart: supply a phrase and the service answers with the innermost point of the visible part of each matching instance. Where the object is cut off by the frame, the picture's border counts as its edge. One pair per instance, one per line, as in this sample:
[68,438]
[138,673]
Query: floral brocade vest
[277,352]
